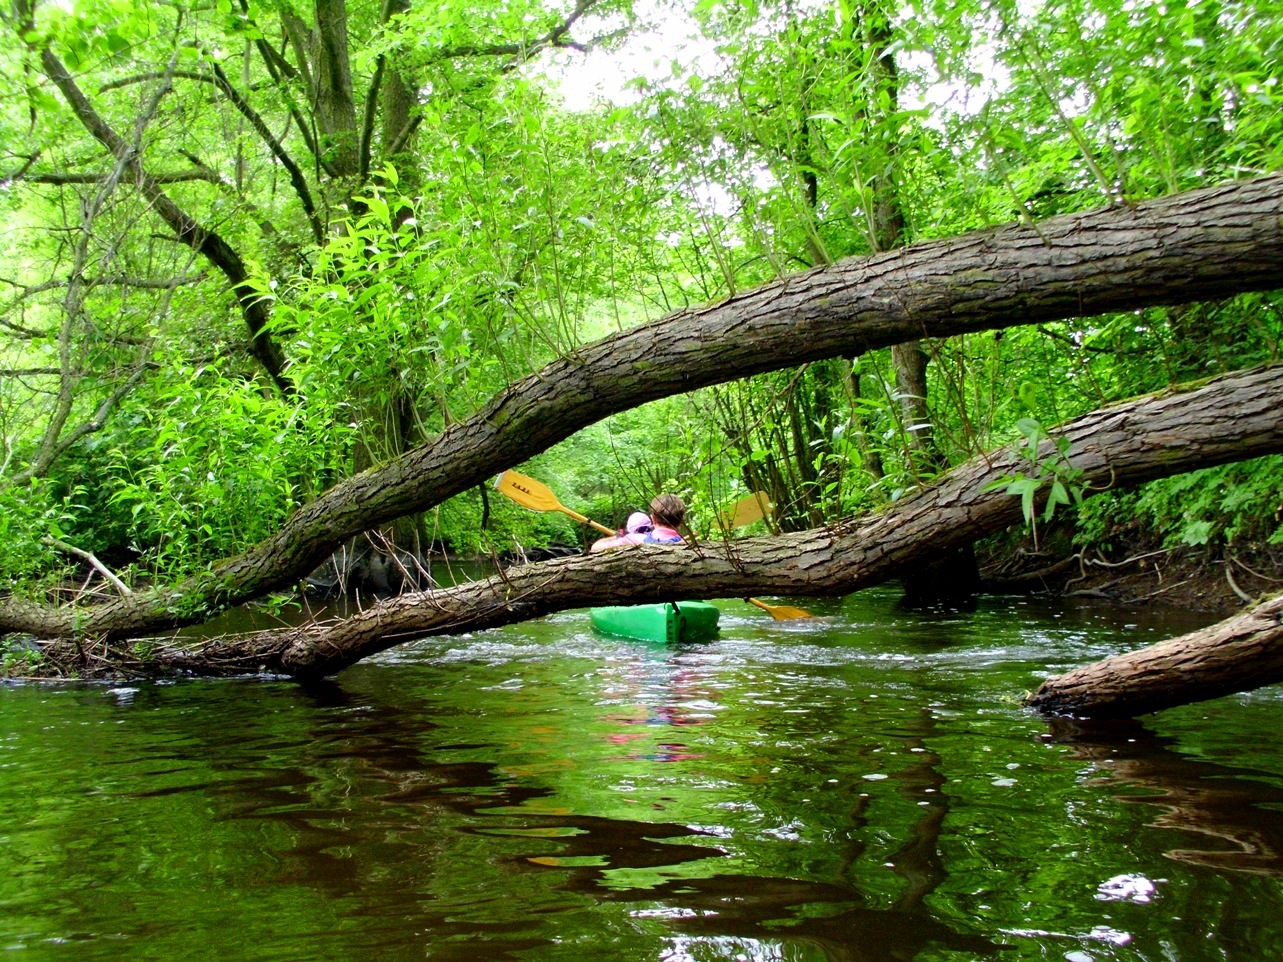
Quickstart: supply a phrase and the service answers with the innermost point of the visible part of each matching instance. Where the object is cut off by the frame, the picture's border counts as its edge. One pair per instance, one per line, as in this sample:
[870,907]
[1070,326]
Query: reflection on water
[1231,813]
[863,786]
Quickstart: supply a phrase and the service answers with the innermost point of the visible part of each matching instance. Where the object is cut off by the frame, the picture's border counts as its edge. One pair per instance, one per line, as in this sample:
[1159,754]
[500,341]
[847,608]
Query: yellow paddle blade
[537,496]
[747,509]
[780,612]
[527,492]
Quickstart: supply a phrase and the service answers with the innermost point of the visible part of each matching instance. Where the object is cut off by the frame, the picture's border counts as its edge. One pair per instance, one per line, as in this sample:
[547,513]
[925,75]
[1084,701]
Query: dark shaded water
[864,786]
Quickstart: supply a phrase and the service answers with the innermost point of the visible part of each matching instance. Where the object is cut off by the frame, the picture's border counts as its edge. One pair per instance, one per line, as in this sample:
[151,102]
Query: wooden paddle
[537,496]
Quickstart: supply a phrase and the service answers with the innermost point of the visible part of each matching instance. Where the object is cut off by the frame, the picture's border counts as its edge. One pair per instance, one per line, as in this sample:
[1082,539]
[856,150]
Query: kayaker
[667,512]
[636,531]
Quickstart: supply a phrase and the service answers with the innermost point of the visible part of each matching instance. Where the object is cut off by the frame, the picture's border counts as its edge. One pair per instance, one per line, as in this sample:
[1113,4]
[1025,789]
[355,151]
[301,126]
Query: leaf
[1057,495]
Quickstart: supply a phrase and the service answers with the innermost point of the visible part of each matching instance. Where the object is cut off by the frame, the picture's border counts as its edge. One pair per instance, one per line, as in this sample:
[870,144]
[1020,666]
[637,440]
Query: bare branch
[116,280]
[24,332]
[60,178]
[101,568]
[530,47]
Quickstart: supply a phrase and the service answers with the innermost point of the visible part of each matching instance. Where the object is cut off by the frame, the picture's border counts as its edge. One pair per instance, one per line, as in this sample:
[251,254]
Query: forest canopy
[257,250]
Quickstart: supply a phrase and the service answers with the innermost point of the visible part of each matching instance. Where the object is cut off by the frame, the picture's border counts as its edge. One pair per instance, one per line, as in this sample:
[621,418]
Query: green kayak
[671,622]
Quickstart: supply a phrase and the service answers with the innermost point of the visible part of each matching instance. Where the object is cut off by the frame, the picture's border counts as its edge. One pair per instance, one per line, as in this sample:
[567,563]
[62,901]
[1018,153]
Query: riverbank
[1194,578]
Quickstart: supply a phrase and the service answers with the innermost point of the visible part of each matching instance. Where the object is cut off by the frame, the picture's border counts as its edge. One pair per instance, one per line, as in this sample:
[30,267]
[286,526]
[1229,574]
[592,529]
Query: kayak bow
[670,622]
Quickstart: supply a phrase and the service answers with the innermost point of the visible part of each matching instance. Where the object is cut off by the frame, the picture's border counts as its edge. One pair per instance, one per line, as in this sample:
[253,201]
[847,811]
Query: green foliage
[1231,507]
[27,515]
[1050,477]
[212,465]
[498,231]
[1227,506]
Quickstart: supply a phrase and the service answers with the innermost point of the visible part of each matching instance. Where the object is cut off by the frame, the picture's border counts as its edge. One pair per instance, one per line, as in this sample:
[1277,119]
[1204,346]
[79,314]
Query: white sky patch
[585,80]
[602,76]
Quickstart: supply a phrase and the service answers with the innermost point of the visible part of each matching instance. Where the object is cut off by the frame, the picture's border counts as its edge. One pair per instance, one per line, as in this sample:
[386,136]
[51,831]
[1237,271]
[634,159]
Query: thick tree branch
[1204,244]
[1238,654]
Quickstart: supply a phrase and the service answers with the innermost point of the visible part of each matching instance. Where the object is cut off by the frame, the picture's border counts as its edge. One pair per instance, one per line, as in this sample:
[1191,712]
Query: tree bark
[1199,245]
[1238,654]
[332,98]
[1228,419]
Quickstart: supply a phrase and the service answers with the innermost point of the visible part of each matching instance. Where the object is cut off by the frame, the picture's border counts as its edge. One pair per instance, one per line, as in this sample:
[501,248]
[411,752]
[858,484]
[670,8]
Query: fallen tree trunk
[1228,419]
[1204,244]
[1238,654]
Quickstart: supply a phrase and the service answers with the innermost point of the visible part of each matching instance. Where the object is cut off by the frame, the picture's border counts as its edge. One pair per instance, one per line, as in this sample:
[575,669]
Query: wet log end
[1239,654]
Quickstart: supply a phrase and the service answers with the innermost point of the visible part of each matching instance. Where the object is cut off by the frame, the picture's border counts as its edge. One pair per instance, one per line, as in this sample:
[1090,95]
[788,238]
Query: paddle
[745,511]
[537,496]
[780,612]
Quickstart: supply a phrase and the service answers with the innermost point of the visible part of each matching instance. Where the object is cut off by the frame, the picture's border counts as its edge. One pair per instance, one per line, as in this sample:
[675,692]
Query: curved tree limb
[1204,244]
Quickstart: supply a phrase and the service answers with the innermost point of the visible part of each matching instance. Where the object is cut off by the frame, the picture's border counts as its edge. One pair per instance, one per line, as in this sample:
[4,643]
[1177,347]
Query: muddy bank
[1218,581]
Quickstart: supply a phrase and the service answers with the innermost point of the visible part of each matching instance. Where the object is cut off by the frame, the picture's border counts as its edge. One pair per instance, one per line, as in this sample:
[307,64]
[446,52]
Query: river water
[861,786]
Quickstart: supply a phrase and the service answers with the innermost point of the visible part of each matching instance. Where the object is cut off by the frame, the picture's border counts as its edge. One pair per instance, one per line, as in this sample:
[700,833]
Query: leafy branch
[1050,471]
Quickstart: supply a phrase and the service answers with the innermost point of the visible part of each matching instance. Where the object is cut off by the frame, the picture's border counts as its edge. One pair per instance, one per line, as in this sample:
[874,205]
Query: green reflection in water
[861,786]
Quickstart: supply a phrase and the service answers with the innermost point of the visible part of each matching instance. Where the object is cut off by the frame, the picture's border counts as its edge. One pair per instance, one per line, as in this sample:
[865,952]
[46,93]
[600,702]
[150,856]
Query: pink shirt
[617,541]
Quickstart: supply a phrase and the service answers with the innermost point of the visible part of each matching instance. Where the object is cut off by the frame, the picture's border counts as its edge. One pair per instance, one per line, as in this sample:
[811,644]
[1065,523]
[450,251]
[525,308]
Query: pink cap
[638,523]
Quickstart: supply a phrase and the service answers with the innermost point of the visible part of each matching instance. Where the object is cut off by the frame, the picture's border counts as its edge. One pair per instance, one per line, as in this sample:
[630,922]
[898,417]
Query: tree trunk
[1228,419]
[332,97]
[1239,654]
[951,577]
[1203,244]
